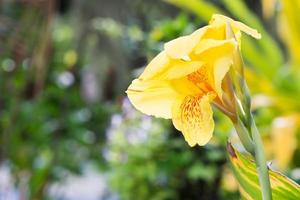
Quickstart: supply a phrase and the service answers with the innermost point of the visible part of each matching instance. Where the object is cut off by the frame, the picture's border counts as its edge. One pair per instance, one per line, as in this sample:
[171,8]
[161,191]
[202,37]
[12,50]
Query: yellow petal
[215,46]
[152,97]
[217,18]
[176,113]
[215,31]
[209,50]
[194,118]
[181,47]
[184,87]
[156,97]
[156,66]
[164,68]
[221,67]
[180,68]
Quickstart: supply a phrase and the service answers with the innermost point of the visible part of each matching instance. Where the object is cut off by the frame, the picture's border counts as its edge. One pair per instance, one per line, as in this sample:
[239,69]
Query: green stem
[261,166]
[255,147]
[244,136]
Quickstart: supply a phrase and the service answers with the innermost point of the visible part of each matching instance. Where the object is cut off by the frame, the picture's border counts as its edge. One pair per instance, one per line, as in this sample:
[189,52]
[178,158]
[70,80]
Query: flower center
[201,79]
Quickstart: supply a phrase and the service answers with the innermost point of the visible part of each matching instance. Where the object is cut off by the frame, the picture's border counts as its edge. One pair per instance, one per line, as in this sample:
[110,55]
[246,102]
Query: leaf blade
[244,170]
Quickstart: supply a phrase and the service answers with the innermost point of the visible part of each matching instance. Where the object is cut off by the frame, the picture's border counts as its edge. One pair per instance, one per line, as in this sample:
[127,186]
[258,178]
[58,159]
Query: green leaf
[204,10]
[244,170]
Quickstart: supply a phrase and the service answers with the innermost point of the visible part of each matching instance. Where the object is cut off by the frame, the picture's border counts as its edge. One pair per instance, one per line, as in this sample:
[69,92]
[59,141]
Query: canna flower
[191,73]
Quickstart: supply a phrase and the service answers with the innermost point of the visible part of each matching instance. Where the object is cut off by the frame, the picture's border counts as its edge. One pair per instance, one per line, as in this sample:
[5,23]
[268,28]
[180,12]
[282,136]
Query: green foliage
[245,171]
[147,161]
[201,8]
[47,126]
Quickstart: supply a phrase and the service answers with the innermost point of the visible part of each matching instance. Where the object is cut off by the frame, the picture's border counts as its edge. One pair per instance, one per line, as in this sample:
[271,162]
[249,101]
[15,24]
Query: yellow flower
[182,81]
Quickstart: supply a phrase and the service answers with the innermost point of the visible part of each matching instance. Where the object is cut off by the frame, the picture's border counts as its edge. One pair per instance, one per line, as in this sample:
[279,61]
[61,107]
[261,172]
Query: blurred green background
[67,130]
